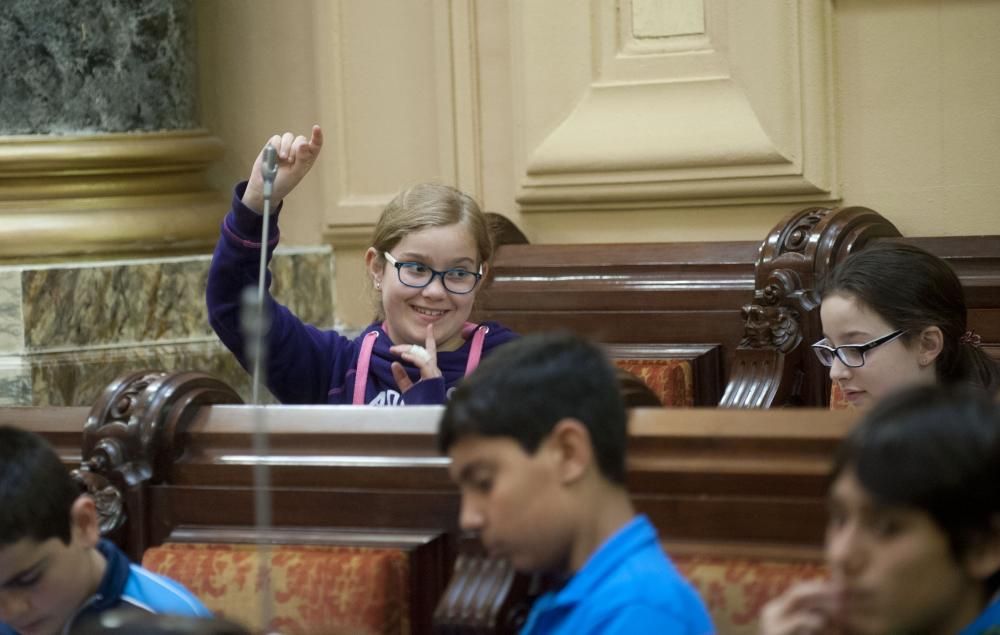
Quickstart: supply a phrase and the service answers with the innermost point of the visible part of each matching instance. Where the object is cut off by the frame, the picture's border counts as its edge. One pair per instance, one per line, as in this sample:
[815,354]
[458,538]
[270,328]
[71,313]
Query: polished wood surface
[714,481]
[365,468]
[752,304]
[652,297]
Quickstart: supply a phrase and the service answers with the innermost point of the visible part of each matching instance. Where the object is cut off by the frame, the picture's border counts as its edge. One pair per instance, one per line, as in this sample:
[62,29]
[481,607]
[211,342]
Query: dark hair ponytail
[976,367]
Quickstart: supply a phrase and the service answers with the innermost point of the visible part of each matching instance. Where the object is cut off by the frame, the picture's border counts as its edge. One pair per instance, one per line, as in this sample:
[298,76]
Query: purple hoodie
[307,365]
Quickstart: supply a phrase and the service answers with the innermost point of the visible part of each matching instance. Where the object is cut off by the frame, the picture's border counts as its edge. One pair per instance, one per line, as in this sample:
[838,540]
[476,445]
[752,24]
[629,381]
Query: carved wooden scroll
[771,365]
[134,433]
[484,597]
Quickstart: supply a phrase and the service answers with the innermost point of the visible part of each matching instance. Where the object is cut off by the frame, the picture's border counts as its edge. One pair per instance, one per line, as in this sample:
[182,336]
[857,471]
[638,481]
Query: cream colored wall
[919,102]
[892,105]
[257,76]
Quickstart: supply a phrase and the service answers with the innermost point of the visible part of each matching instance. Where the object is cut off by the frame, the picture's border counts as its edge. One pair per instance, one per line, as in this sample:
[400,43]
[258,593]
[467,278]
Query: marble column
[100,149]
[106,216]
[68,329]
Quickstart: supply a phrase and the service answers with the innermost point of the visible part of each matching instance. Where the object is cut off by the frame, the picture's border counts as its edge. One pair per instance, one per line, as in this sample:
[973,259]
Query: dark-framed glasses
[851,355]
[418,275]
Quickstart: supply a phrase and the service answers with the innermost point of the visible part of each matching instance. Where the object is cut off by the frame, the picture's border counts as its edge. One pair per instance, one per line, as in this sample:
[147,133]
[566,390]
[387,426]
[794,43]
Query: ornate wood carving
[770,367]
[133,434]
[484,597]
[753,481]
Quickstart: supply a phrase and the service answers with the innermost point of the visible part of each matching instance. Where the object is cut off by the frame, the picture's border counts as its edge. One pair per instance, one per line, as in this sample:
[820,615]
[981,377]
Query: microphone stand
[268,170]
[256,320]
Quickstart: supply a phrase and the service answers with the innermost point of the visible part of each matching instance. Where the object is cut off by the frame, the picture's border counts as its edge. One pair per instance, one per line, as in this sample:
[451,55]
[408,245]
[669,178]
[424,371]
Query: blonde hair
[430,205]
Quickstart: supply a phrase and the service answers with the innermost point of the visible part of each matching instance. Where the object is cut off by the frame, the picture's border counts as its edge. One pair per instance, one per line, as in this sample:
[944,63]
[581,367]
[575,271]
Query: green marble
[79,378]
[15,383]
[11,316]
[97,66]
[67,307]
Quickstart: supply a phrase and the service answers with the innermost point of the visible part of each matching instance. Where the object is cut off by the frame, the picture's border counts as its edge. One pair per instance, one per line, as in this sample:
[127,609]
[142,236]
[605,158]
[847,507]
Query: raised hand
[423,357]
[296,156]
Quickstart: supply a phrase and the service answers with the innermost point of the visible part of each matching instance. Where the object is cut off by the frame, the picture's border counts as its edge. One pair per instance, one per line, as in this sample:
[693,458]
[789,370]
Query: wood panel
[714,481]
[374,468]
[633,296]
[755,302]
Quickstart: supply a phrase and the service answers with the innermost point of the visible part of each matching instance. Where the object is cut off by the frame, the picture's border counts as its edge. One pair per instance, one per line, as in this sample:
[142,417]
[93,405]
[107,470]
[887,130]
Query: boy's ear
[571,442]
[83,521]
[931,344]
[982,559]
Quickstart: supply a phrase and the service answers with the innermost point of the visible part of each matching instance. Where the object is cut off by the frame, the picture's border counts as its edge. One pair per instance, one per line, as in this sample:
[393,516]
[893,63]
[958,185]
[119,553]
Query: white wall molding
[739,113]
[398,89]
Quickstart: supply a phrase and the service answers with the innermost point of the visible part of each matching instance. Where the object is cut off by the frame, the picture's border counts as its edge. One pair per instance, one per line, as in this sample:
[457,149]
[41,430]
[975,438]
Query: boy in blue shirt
[56,573]
[913,534]
[537,437]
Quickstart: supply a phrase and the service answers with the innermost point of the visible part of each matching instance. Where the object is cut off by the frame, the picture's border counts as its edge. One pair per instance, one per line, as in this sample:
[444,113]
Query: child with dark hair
[894,315]
[55,571]
[537,437]
[913,538]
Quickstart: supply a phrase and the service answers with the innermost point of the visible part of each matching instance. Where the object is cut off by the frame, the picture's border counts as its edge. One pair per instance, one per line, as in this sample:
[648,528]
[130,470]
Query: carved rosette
[136,430]
[802,229]
[108,498]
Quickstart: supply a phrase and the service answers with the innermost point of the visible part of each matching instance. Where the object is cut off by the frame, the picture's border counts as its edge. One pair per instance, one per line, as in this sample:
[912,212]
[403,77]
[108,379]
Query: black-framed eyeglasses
[418,275]
[852,355]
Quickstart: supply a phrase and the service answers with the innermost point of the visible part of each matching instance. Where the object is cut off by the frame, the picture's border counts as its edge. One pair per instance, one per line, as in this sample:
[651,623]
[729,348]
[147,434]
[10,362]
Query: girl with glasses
[894,315]
[430,251]
[913,534]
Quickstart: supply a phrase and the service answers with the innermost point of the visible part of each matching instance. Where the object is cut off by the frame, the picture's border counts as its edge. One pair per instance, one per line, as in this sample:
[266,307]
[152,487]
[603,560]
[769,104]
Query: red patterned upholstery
[314,588]
[671,379]
[837,401]
[736,589]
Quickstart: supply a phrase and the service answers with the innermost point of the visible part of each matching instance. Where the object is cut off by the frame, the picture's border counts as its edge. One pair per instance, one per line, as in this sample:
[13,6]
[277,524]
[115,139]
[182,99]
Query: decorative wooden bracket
[485,596]
[770,367]
[134,433]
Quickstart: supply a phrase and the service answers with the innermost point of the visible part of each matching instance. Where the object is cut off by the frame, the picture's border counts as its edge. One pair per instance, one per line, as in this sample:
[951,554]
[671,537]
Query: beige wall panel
[469,92]
[920,96]
[389,97]
[400,94]
[737,113]
[257,77]
[496,111]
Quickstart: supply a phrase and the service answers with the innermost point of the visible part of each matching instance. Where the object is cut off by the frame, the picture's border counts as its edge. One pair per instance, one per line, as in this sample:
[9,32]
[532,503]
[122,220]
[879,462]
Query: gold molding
[93,195]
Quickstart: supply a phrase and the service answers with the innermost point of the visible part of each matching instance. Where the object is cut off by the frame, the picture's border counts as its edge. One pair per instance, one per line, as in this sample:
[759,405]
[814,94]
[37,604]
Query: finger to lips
[429,343]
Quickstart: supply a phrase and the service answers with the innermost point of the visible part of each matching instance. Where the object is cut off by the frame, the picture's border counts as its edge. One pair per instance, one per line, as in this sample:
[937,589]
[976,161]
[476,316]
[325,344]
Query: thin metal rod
[256,332]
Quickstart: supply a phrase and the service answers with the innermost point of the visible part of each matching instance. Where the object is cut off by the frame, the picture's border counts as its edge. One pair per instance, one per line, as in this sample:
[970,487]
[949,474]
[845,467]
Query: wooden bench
[646,302]
[741,314]
[737,495]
